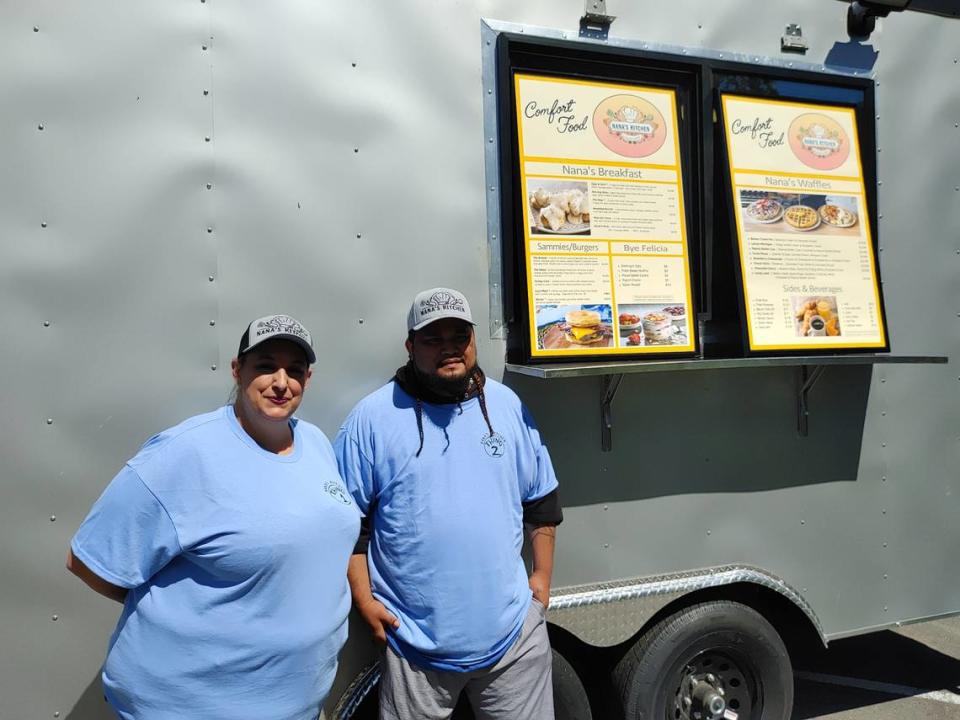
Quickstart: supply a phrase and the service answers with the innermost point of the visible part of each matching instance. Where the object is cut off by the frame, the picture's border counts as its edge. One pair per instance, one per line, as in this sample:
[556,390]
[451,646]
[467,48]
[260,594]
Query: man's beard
[449,387]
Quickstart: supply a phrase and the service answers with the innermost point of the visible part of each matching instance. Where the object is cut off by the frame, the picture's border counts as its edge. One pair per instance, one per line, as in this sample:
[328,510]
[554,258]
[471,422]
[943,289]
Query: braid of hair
[481,396]
[418,409]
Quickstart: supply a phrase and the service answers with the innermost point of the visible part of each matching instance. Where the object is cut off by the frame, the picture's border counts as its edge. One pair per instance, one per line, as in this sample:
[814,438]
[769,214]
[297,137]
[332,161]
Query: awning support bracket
[608,390]
[807,376]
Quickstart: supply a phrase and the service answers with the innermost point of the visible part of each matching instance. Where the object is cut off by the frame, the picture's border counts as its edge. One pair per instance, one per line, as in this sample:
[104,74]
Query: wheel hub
[712,687]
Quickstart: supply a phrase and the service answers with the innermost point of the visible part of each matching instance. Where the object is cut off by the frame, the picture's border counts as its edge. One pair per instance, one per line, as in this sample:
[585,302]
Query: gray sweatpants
[518,687]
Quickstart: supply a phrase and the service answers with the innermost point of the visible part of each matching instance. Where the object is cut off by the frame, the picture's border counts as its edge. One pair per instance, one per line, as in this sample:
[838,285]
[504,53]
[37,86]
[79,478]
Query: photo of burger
[572,327]
[583,327]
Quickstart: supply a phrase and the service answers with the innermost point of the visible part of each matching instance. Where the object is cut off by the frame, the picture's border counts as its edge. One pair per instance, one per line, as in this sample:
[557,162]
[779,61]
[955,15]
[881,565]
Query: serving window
[656,206]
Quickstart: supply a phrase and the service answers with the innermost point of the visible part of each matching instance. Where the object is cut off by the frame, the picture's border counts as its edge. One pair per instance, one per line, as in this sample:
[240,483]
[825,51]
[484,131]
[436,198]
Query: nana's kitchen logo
[281,324]
[442,301]
[629,125]
[819,141]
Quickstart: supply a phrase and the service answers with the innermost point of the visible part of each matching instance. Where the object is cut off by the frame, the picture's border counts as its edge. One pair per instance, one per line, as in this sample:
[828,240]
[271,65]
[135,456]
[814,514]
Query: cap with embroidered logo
[277,327]
[436,304]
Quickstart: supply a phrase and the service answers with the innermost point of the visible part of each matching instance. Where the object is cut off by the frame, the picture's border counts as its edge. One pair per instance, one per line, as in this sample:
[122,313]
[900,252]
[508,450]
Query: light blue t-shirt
[236,560]
[447,526]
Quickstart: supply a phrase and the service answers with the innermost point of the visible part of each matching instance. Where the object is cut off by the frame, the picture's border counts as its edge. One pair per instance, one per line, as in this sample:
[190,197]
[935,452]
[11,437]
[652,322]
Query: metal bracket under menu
[608,390]
[807,376]
[595,23]
[809,369]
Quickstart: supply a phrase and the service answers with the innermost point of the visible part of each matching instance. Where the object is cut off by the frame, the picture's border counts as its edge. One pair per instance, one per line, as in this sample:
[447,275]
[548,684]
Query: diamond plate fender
[606,614]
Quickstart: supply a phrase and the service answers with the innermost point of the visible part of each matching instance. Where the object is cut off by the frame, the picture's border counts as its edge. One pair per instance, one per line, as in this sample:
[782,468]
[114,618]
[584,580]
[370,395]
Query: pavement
[911,673]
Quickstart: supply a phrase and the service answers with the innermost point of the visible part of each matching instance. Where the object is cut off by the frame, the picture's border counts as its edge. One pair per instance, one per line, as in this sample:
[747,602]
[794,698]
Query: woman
[227,538]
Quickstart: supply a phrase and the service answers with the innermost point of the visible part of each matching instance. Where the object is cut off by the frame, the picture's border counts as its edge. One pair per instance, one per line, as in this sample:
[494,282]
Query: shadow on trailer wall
[727,431]
[91,705]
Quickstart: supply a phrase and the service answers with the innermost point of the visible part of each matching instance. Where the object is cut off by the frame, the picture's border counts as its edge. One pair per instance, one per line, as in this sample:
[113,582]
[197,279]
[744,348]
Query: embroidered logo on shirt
[336,491]
[494,444]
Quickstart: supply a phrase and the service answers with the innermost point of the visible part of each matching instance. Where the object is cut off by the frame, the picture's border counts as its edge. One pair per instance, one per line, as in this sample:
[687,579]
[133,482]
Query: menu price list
[607,267]
[806,253]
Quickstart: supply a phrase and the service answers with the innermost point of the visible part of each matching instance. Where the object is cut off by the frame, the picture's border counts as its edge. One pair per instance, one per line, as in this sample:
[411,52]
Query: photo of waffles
[769,211]
[764,210]
[837,216]
[801,217]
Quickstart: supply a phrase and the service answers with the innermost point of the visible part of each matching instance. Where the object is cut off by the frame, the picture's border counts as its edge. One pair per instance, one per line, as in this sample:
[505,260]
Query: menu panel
[806,252]
[606,248]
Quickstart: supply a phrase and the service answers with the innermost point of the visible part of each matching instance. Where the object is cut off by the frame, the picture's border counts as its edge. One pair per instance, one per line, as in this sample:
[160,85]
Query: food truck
[712,247]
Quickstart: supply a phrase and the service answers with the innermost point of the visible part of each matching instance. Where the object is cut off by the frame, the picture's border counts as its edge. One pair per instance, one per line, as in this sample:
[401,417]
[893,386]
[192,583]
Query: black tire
[715,648]
[569,697]
[570,700]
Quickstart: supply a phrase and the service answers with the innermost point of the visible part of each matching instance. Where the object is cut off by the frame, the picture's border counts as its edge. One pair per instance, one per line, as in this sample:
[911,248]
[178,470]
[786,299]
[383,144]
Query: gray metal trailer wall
[170,170]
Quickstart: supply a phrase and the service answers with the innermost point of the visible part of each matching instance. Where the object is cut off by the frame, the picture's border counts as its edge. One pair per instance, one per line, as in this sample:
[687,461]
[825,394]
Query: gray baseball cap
[436,304]
[272,327]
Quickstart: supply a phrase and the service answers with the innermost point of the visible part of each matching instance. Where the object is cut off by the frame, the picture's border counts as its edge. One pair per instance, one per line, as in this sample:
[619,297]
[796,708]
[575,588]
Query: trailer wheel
[570,700]
[717,660]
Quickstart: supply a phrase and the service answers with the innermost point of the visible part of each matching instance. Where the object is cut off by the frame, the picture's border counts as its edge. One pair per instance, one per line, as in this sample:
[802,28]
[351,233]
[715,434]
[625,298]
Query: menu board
[607,264]
[806,252]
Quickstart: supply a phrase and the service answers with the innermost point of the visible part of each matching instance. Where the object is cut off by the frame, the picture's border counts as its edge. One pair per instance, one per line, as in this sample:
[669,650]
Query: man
[447,466]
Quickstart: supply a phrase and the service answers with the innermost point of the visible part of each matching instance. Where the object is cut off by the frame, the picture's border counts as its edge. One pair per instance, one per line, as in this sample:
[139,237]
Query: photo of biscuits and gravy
[816,316]
[573,327]
[558,207]
[785,212]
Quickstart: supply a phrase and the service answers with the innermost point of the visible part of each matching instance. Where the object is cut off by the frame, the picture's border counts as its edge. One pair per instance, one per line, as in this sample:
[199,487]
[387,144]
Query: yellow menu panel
[606,246]
[806,251]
